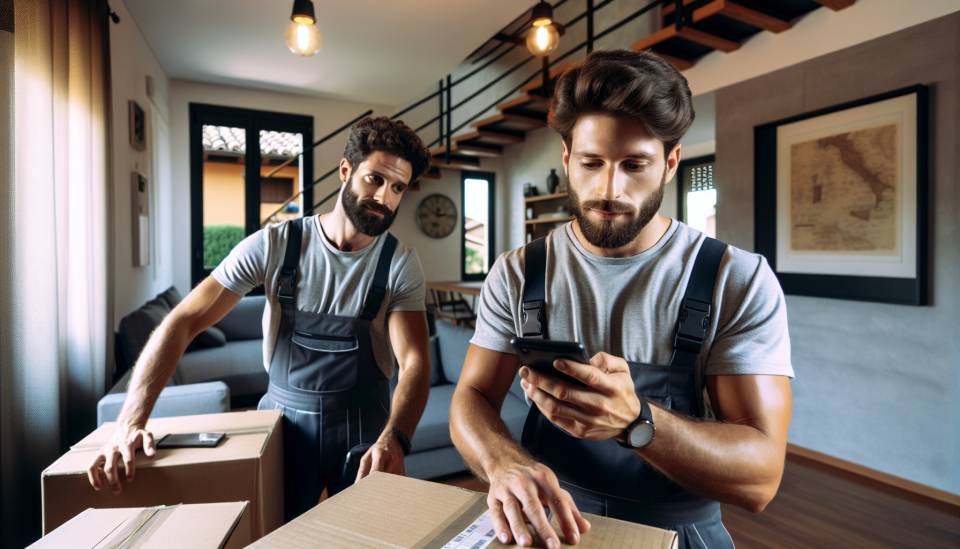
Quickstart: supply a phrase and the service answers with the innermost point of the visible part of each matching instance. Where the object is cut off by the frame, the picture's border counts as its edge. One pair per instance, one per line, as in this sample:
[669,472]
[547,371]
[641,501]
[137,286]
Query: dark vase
[552,182]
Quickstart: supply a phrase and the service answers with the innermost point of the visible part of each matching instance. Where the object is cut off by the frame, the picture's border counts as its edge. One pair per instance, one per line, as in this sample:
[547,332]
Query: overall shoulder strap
[695,308]
[534,290]
[381,277]
[286,294]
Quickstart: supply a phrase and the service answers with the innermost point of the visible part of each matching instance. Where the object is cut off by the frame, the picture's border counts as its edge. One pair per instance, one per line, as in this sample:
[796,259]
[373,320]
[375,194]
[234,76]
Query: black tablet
[190,440]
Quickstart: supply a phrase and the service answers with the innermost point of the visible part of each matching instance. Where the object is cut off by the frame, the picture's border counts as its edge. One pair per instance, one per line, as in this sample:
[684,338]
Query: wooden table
[458,311]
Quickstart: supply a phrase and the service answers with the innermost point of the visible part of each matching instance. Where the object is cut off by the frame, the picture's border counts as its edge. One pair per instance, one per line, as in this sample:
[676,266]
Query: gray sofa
[432,453]
[222,367]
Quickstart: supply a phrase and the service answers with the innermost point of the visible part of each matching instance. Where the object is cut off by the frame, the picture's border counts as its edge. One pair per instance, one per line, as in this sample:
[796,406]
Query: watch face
[437,216]
[642,434]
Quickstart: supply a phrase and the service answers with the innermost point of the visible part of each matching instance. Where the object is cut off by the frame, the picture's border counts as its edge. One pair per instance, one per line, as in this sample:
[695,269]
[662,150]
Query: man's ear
[345,170]
[566,159]
[673,160]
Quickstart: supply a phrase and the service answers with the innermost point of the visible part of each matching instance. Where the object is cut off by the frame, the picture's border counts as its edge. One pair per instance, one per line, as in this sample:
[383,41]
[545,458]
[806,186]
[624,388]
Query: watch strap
[403,440]
[646,415]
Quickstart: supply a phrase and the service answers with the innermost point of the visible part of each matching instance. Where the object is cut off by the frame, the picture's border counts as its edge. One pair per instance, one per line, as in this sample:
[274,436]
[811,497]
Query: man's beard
[367,223]
[615,233]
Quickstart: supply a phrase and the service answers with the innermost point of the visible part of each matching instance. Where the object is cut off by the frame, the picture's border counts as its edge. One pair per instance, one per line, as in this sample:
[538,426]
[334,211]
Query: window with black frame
[477,234]
[697,197]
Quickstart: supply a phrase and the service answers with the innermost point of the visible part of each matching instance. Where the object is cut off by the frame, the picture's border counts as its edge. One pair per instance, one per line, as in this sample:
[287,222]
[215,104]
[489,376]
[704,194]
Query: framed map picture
[841,199]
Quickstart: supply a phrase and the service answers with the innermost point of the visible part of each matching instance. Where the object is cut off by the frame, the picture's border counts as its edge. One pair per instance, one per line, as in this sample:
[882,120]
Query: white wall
[328,115]
[131,62]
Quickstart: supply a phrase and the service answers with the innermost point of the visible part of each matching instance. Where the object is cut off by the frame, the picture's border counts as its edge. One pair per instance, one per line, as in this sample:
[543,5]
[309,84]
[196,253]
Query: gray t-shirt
[628,306]
[328,281]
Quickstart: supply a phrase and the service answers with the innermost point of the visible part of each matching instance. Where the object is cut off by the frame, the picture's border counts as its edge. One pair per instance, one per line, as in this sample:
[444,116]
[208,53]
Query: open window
[477,235]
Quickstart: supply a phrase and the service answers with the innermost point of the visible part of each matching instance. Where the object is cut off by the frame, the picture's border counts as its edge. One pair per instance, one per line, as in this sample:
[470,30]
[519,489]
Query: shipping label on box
[391,511]
[246,466]
[204,526]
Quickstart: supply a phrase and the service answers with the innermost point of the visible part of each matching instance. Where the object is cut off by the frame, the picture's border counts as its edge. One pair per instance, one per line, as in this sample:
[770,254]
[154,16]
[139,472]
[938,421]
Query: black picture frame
[138,126]
[880,289]
[682,184]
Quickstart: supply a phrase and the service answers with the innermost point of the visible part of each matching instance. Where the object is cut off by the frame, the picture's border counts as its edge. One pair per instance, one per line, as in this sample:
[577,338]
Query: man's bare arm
[410,341]
[738,460]
[202,308]
[520,487]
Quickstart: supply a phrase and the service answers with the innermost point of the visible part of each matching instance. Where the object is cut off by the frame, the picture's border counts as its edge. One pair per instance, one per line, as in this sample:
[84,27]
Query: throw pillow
[209,338]
[454,342]
[136,327]
[171,296]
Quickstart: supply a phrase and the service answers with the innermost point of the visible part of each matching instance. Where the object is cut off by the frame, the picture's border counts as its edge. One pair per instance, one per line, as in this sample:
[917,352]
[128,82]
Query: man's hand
[386,455]
[123,444]
[604,410]
[518,493]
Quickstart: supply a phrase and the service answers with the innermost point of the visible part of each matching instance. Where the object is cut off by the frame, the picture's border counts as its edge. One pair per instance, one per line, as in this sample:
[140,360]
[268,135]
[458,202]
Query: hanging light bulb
[302,35]
[544,36]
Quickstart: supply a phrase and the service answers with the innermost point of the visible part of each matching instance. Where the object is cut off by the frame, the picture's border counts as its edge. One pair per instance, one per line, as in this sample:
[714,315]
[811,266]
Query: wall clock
[437,216]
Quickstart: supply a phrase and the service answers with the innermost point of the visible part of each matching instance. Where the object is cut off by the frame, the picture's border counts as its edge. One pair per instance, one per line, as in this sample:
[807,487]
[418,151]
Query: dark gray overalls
[325,379]
[604,478]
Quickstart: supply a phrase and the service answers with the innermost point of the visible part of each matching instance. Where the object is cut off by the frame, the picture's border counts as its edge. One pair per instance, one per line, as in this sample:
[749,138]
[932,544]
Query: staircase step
[526,104]
[740,13]
[688,34]
[681,64]
[457,162]
[490,137]
[835,5]
[510,122]
[432,173]
[469,149]
[537,83]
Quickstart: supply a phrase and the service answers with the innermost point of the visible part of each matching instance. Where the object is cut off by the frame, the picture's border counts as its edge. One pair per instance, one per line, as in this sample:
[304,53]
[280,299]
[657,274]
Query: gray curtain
[55,339]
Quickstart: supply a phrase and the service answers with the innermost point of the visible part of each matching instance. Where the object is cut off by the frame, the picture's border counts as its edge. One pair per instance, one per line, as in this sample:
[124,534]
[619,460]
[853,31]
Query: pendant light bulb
[302,36]
[543,40]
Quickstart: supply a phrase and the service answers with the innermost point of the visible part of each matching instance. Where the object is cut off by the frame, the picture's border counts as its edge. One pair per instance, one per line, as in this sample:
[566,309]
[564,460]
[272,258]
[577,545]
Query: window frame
[490,177]
[682,184]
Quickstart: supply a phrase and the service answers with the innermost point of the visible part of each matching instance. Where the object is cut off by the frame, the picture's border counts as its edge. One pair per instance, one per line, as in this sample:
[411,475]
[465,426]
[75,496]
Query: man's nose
[612,183]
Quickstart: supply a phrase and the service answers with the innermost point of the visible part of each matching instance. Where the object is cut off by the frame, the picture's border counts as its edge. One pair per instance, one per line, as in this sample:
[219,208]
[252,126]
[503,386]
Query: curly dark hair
[637,85]
[390,136]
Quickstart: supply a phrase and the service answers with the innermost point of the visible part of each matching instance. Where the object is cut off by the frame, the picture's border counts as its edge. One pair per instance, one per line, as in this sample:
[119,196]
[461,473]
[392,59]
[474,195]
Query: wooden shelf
[562,194]
[550,220]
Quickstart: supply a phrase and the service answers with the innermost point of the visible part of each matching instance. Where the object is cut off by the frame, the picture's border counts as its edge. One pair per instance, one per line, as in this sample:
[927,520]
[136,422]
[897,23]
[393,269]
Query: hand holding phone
[539,354]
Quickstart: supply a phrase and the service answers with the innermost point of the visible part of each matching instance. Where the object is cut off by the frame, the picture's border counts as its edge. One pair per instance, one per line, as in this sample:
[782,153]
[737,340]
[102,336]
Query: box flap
[199,526]
[392,511]
[247,436]
[87,529]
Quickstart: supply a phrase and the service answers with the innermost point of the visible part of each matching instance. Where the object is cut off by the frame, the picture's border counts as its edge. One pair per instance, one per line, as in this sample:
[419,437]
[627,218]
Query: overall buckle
[287,289]
[692,327]
[532,316]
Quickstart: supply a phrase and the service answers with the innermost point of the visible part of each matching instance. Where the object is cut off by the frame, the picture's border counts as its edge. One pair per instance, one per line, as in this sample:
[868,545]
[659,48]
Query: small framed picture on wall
[841,199]
[138,126]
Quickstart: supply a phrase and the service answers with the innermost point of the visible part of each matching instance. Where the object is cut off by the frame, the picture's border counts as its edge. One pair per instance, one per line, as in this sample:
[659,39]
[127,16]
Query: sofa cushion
[210,338]
[171,296]
[239,364]
[136,327]
[245,320]
[180,400]
[454,342]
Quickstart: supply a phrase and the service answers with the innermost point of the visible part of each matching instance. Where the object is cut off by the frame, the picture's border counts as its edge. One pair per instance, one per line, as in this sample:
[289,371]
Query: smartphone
[539,355]
[190,440]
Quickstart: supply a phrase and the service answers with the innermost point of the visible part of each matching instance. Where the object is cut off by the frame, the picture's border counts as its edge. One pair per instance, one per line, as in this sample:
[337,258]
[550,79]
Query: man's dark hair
[390,136]
[640,86]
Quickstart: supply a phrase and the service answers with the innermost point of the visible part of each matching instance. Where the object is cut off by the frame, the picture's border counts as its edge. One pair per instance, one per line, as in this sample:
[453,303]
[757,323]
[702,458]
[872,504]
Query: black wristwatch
[403,440]
[641,432]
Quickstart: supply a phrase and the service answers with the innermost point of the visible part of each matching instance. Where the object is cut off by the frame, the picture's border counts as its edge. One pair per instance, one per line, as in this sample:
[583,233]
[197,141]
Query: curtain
[55,336]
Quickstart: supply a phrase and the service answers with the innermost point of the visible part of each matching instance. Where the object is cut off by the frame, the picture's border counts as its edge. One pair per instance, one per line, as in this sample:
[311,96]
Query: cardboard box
[391,511]
[207,526]
[246,466]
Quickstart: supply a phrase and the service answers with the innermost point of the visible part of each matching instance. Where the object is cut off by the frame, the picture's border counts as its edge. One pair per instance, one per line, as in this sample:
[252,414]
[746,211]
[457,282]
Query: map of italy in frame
[846,192]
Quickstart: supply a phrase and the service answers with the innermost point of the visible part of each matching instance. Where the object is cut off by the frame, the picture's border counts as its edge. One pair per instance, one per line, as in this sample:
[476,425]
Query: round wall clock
[437,215]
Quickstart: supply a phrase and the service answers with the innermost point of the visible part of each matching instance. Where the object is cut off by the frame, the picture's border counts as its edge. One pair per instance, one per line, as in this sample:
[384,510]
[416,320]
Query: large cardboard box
[246,466]
[207,526]
[392,511]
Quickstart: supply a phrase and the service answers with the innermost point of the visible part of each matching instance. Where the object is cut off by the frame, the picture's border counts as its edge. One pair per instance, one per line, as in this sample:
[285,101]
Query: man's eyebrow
[640,155]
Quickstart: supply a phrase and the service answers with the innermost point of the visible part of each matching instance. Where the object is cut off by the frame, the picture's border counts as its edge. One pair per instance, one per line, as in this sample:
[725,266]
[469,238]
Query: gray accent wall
[878,385]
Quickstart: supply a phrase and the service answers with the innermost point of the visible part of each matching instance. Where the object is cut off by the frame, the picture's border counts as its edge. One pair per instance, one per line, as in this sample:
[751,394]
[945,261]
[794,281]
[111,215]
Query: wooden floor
[819,506]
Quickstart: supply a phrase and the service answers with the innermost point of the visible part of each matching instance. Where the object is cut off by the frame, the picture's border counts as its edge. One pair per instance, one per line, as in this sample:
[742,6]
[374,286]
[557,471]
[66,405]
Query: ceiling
[378,51]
